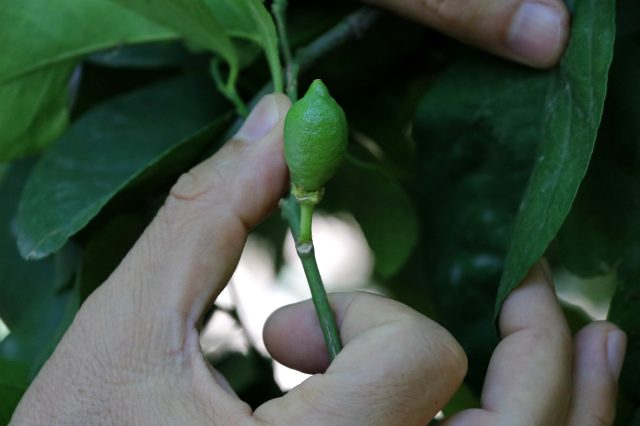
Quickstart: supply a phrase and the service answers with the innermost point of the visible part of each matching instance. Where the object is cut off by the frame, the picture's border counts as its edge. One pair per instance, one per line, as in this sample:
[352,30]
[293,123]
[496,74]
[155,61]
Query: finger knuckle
[444,10]
[196,183]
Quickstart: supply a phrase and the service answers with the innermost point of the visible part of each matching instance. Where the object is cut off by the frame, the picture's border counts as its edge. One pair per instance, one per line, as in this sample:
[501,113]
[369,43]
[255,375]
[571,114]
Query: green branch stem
[306,253]
[306,215]
[351,27]
[279,10]
[291,213]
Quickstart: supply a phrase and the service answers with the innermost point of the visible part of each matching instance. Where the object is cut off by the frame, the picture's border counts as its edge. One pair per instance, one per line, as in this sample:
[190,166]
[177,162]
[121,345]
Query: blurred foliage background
[463,168]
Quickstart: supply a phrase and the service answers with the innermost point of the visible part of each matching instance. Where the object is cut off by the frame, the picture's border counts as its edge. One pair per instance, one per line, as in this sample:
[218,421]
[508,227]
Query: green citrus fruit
[315,138]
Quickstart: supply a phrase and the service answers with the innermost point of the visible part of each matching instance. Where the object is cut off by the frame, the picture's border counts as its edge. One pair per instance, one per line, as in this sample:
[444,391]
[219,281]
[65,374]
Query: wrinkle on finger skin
[396,368]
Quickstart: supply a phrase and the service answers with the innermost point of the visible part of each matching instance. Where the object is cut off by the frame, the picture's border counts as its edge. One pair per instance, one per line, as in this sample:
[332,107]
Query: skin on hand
[539,374]
[132,354]
[532,32]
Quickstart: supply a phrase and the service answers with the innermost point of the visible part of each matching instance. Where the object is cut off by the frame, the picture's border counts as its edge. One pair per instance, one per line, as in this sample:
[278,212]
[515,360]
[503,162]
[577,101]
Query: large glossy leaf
[622,161]
[13,383]
[33,109]
[147,56]
[104,151]
[41,43]
[381,207]
[572,112]
[190,18]
[194,20]
[604,217]
[476,132]
[380,121]
[30,305]
[3,171]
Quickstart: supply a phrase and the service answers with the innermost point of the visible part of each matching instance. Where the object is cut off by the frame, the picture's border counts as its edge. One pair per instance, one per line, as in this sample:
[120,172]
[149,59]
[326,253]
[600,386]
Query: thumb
[185,257]
[397,367]
[533,32]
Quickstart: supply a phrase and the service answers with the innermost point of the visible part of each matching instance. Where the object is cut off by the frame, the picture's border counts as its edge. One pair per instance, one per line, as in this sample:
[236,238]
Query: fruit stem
[291,213]
[306,215]
[306,253]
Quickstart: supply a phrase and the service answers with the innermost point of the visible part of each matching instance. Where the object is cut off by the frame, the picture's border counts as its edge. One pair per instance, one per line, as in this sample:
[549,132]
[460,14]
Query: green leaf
[29,303]
[572,113]
[42,42]
[147,56]
[381,207]
[477,130]
[3,171]
[14,380]
[105,150]
[248,19]
[33,109]
[603,219]
[380,121]
[624,313]
[622,161]
[193,19]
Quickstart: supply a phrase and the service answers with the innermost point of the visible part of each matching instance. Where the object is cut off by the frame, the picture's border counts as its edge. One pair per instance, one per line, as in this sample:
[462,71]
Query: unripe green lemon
[315,138]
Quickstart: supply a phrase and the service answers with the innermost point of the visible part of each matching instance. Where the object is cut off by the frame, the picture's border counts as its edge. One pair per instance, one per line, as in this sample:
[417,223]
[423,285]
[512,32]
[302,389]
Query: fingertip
[616,349]
[267,113]
[533,303]
[598,358]
[602,343]
[293,338]
[538,32]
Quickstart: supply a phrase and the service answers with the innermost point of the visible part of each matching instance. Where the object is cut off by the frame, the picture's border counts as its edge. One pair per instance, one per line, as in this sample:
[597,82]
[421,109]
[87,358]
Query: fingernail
[537,32]
[616,347]
[261,120]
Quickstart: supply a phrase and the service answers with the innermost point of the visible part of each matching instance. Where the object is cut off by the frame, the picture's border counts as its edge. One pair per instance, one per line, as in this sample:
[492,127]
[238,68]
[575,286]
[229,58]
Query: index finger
[530,373]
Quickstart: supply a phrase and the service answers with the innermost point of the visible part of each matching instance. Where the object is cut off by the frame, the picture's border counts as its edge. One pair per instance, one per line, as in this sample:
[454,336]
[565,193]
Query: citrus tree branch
[279,10]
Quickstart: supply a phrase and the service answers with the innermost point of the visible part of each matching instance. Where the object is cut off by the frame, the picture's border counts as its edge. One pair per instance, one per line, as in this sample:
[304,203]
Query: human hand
[132,354]
[533,32]
[539,374]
